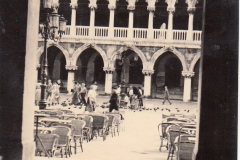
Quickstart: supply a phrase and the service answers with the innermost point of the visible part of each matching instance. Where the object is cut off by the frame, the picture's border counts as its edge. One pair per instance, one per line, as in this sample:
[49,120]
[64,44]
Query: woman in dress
[75,93]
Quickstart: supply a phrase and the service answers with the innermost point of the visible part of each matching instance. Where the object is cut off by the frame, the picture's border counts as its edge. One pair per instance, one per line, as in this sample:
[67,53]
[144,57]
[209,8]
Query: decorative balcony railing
[138,35]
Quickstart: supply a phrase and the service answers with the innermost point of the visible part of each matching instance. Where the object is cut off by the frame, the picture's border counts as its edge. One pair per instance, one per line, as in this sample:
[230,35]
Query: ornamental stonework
[131,4]
[92,4]
[64,45]
[191,5]
[112,4]
[187,74]
[151,5]
[171,5]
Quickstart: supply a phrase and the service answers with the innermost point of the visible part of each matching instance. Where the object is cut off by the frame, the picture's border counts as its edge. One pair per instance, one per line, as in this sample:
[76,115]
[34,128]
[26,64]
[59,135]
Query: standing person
[118,91]
[130,94]
[49,92]
[94,86]
[83,93]
[91,99]
[56,93]
[140,96]
[166,96]
[113,101]
[75,93]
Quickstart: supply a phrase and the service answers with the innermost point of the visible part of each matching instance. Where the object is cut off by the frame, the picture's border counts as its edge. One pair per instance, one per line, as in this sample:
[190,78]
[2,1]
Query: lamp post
[48,30]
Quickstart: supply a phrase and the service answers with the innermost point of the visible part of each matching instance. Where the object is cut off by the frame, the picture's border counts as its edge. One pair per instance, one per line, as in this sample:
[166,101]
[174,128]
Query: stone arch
[133,48]
[64,51]
[174,51]
[194,61]
[79,51]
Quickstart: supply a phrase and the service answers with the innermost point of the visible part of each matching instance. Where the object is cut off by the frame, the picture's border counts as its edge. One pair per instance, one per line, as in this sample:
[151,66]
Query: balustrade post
[131,8]
[92,5]
[71,75]
[74,7]
[147,82]
[191,9]
[187,91]
[108,80]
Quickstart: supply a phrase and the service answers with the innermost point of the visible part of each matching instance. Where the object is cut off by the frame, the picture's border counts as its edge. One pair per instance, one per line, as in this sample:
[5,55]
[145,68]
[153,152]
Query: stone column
[147,82]
[131,8]
[191,9]
[187,92]
[71,76]
[108,80]
[92,5]
[111,7]
[74,7]
[171,10]
[151,9]
[170,24]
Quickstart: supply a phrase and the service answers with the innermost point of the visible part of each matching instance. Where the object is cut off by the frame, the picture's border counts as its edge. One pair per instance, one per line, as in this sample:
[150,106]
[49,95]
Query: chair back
[192,116]
[173,132]
[185,147]
[89,121]
[71,127]
[100,121]
[111,121]
[67,111]
[63,133]
[49,142]
[165,116]
[78,125]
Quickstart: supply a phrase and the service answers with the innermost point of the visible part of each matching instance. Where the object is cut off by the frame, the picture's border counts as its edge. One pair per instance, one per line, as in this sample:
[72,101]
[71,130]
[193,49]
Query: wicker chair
[78,135]
[64,139]
[87,130]
[48,143]
[173,131]
[72,132]
[185,147]
[100,123]
[111,124]
[163,134]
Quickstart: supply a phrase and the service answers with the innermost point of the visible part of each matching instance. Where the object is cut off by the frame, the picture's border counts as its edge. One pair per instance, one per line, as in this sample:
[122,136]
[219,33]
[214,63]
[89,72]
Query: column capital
[171,5]
[112,4]
[191,5]
[191,10]
[170,10]
[109,70]
[131,4]
[71,68]
[151,5]
[74,4]
[93,4]
[188,74]
[147,72]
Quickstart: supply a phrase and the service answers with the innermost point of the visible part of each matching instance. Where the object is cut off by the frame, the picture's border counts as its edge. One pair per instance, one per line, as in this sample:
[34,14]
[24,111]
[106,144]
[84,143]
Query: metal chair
[78,134]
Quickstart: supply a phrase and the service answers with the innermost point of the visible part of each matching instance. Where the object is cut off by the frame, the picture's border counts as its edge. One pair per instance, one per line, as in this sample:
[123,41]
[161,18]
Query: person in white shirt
[118,91]
[92,97]
[130,93]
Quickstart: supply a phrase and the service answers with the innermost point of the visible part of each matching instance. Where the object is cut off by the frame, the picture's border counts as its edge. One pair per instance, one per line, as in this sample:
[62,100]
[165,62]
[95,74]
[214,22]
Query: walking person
[140,96]
[113,101]
[91,100]
[83,93]
[55,93]
[166,96]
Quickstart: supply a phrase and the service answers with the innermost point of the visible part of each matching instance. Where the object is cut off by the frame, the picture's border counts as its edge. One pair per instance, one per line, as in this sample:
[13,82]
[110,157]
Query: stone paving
[139,141]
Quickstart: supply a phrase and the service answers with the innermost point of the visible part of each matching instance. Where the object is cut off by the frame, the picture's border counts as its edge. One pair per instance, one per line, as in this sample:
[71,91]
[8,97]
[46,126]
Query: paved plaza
[139,141]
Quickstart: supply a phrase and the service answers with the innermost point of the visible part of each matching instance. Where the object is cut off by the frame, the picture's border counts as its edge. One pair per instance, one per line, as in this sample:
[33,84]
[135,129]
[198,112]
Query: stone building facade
[157,47]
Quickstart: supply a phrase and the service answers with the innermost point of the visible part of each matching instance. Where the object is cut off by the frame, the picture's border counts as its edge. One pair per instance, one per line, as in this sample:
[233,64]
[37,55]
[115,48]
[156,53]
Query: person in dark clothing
[166,96]
[113,101]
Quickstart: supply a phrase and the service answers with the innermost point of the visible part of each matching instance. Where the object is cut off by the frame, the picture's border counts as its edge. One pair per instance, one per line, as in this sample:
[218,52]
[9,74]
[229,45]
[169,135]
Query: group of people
[81,96]
[53,92]
[125,95]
